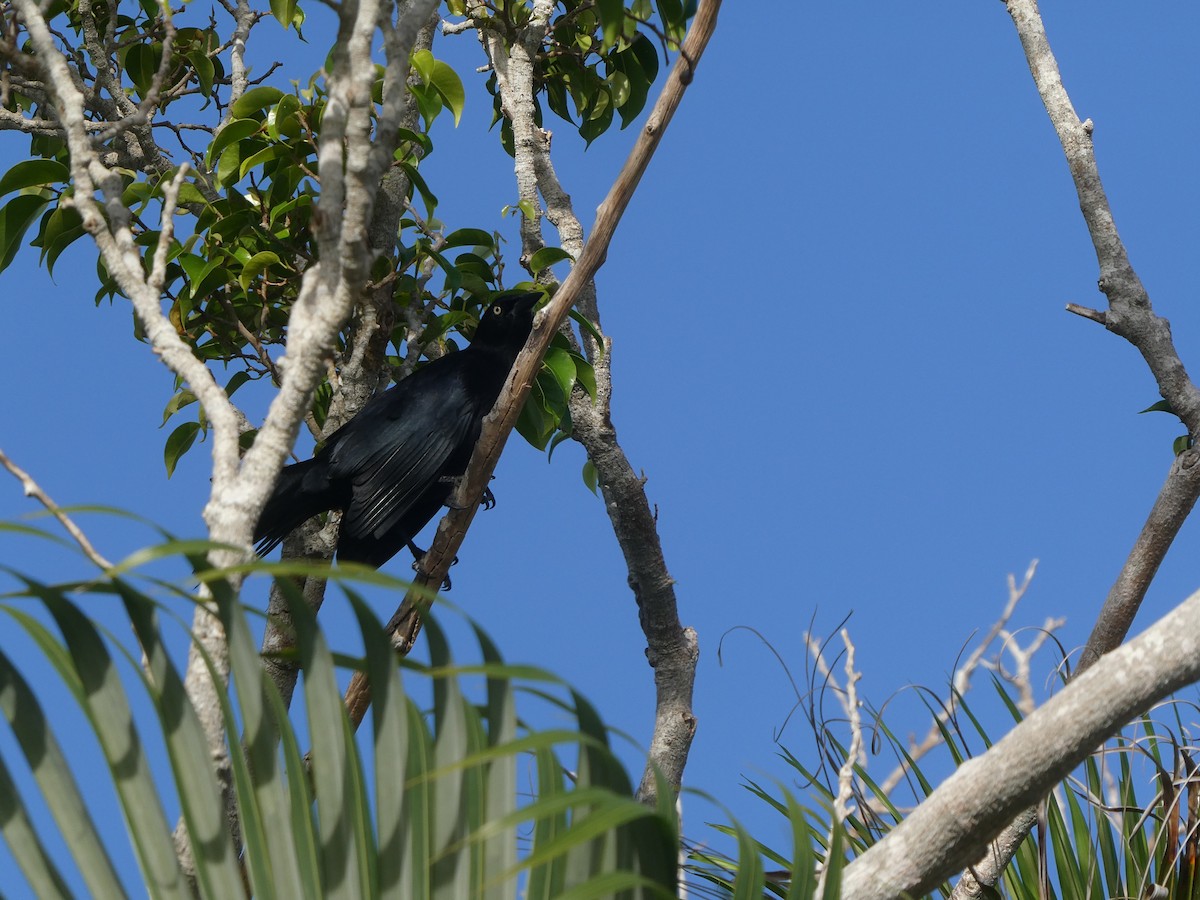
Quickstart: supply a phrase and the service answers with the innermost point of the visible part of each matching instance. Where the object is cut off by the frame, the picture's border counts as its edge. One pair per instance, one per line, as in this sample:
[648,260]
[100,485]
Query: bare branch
[1094,314]
[854,755]
[158,272]
[33,490]
[116,242]
[363,369]
[1171,508]
[961,682]
[1130,315]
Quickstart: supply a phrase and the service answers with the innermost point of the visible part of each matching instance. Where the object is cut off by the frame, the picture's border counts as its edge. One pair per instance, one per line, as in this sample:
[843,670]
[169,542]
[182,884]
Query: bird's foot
[419,557]
[488,499]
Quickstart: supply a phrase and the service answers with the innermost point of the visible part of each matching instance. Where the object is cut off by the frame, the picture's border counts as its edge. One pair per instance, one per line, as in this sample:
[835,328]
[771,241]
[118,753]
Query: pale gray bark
[942,835]
[1130,315]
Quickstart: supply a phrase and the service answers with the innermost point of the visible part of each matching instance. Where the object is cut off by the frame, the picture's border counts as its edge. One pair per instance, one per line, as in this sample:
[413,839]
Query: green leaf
[206,72]
[612,16]
[336,768]
[470,237]
[418,182]
[31,728]
[141,64]
[178,443]
[453,278]
[585,375]
[672,15]
[33,172]
[423,62]
[230,165]
[255,266]
[284,11]
[176,403]
[238,379]
[562,367]
[255,101]
[389,711]
[586,325]
[15,218]
[429,102]
[218,872]
[63,227]
[446,82]
[236,130]
[618,83]
[281,120]
[639,63]
[600,119]
[591,477]
[190,194]
[103,699]
[547,257]
[1160,406]
[322,397]
[267,154]
[531,422]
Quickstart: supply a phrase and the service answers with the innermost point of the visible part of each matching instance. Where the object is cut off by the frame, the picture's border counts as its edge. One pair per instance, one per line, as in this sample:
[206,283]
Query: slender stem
[32,489]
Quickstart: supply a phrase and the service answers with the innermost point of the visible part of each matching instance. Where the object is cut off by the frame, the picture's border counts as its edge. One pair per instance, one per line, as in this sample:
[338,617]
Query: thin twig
[32,489]
[960,683]
[854,755]
[1088,313]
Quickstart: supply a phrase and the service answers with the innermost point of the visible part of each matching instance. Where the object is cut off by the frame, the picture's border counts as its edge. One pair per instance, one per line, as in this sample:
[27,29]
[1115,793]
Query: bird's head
[507,321]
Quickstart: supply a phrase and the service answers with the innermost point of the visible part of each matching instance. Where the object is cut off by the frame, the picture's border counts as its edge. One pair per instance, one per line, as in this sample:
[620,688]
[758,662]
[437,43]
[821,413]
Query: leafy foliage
[427,804]
[242,238]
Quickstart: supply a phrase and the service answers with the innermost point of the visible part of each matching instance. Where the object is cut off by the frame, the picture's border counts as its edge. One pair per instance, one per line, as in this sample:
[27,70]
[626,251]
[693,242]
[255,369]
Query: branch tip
[1088,313]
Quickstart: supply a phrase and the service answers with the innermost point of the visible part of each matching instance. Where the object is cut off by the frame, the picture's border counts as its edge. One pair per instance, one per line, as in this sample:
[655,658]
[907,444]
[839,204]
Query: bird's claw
[419,557]
[488,499]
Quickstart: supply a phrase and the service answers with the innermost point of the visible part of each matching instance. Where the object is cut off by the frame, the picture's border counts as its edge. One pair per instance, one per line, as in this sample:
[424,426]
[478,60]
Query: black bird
[393,466]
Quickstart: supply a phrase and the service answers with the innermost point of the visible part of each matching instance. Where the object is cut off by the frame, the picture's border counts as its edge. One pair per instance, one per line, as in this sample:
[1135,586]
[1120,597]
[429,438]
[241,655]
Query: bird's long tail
[301,492]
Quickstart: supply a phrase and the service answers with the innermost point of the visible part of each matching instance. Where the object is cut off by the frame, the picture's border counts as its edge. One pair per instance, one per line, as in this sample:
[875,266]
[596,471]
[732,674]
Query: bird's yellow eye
[496,310]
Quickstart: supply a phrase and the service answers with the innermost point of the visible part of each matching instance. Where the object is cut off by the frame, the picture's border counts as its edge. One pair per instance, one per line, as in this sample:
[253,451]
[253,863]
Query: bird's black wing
[402,445]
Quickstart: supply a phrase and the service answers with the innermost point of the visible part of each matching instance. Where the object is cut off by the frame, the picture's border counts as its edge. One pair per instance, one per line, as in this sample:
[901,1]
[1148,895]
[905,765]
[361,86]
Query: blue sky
[840,357]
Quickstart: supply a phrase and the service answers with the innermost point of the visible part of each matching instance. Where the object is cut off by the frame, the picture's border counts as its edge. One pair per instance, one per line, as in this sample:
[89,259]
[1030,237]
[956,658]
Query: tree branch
[671,649]
[364,367]
[942,834]
[32,489]
[672,740]
[1130,315]
[1129,312]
